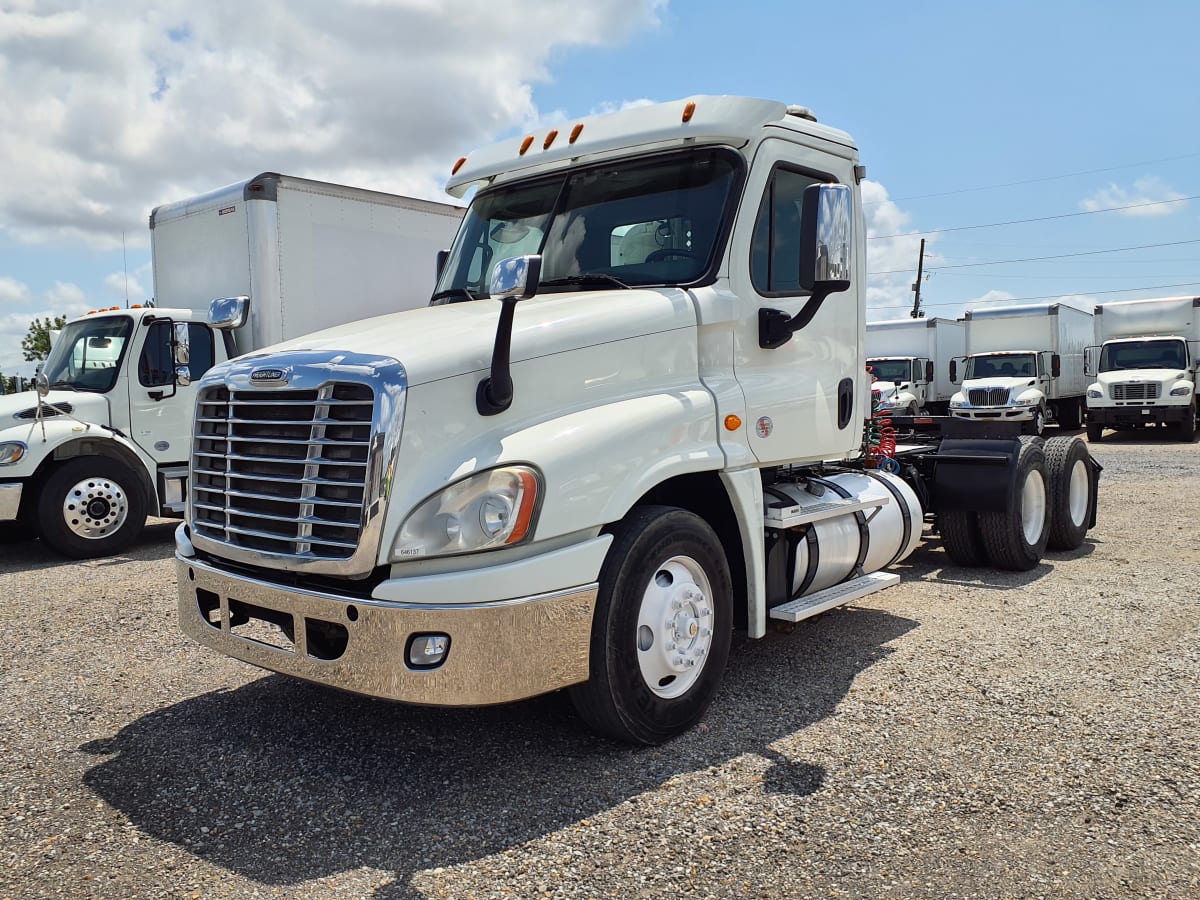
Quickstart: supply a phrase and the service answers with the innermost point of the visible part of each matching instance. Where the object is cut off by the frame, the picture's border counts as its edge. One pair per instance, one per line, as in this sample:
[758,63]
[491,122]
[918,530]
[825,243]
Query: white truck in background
[1145,365]
[910,359]
[1024,364]
[636,422]
[105,442]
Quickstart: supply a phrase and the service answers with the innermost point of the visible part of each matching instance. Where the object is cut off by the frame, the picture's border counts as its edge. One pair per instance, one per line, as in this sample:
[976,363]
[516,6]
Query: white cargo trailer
[1024,364]
[108,442]
[1144,365]
[910,358]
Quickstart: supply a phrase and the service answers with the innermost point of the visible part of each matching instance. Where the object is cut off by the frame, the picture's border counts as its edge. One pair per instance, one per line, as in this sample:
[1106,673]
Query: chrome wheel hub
[95,508]
[1033,506]
[675,627]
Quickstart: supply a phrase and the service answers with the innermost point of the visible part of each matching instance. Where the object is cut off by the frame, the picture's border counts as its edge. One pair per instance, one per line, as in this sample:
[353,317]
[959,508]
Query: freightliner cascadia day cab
[634,420]
[1144,366]
[910,361]
[108,442]
[1024,364]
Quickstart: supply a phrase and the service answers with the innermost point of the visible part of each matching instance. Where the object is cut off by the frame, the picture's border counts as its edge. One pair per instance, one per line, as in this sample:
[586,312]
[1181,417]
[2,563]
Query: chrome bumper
[994,413]
[10,501]
[498,651]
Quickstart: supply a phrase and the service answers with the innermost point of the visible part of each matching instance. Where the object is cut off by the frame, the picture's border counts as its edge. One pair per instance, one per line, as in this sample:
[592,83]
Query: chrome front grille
[283,472]
[988,396]
[1135,390]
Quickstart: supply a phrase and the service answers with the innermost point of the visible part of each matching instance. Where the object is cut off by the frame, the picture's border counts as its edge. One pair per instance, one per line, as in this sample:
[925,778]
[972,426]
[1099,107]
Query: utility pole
[916,310]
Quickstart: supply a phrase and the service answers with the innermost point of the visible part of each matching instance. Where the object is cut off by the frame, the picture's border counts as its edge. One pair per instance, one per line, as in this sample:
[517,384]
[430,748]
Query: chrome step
[791,516]
[812,604]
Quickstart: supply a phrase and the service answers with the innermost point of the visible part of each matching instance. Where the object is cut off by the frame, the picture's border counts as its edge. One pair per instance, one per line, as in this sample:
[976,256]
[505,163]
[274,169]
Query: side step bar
[813,604]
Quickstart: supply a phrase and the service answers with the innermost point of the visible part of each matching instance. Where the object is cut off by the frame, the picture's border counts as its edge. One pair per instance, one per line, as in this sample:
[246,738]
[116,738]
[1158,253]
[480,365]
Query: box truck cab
[106,440]
[633,422]
[1024,364]
[909,359]
[1145,366]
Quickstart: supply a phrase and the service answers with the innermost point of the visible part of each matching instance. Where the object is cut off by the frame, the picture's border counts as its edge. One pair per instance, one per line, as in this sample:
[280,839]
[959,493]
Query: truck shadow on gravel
[156,542]
[281,782]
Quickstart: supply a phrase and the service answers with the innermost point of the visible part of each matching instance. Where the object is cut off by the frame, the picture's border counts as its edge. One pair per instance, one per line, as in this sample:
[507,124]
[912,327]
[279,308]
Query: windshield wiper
[586,278]
[69,385]
[461,292]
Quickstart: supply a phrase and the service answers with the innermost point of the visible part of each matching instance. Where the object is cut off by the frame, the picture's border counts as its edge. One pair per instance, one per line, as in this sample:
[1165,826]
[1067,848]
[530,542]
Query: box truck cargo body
[107,442]
[1024,364]
[1144,363]
[910,359]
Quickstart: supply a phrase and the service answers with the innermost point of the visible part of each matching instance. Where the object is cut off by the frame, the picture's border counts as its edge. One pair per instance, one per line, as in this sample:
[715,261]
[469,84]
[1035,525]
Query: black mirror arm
[775,327]
[495,393]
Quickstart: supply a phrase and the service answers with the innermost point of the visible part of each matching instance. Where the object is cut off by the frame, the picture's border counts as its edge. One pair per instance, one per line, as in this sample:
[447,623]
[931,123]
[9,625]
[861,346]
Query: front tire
[1016,538]
[661,629]
[90,507]
[1072,503]
[1037,426]
[1095,432]
[1186,429]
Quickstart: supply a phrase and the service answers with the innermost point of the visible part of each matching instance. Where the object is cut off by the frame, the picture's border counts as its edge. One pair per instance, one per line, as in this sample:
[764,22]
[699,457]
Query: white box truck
[638,425]
[1024,364]
[108,441]
[910,359]
[1145,366]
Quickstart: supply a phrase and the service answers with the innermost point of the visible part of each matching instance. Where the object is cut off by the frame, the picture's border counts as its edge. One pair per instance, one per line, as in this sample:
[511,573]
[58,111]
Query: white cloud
[145,104]
[124,287]
[20,308]
[1150,189]
[893,259]
[13,292]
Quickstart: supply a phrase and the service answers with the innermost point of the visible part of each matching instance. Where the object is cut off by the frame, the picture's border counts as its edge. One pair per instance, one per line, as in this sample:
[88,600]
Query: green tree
[36,344]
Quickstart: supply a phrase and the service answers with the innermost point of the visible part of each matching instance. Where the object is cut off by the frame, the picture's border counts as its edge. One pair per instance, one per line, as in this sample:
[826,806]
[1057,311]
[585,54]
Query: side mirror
[826,239]
[41,383]
[929,370]
[228,313]
[443,257]
[954,371]
[1055,365]
[183,376]
[181,346]
[512,280]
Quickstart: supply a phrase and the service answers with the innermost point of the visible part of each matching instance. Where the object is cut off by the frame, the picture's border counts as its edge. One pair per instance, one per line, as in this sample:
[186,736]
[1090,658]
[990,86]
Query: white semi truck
[1024,364]
[635,422]
[910,359]
[108,440]
[1145,366]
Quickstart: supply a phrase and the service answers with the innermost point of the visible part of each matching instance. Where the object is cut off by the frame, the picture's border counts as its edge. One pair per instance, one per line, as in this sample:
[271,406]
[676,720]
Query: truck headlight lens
[11,452]
[1028,401]
[484,511]
[1094,394]
[958,404]
[1181,390]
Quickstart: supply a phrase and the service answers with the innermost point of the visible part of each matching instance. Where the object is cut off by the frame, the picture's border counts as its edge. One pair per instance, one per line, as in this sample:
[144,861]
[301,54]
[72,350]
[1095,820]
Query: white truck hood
[1163,377]
[1011,384]
[443,341]
[18,412]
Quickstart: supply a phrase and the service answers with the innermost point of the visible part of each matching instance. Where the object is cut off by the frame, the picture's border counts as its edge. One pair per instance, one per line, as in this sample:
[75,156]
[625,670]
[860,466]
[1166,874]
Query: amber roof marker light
[550,139]
[525,143]
[458,165]
[575,133]
[689,110]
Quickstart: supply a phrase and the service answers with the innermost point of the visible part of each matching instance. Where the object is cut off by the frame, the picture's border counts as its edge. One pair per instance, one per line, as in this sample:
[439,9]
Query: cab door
[160,410]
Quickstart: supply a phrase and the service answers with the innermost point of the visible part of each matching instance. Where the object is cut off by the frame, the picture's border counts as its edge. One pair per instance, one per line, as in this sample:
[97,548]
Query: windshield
[891,369]
[1143,355]
[1006,365]
[87,355]
[654,220]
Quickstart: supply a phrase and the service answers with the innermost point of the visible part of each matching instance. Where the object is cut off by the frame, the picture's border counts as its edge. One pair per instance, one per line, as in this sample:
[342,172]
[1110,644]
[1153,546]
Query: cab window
[156,367]
[775,246]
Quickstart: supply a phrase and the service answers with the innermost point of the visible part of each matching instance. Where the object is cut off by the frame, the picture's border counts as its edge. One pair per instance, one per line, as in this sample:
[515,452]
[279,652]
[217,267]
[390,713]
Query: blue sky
[965,114]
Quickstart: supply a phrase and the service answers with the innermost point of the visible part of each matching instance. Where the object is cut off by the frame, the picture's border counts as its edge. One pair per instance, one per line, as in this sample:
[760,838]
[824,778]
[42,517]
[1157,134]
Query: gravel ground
[965,734]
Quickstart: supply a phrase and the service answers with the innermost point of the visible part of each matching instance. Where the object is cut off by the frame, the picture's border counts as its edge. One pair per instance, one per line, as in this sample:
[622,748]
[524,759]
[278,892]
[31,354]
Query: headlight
[1181,390]
[1029,401]
[1095,394]
[958,404]
[484,511]
[11,452]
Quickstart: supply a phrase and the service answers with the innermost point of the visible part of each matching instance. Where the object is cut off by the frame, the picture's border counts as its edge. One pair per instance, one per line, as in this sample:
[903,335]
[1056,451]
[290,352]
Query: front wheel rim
[1033,507]
[95,508]
[675,627]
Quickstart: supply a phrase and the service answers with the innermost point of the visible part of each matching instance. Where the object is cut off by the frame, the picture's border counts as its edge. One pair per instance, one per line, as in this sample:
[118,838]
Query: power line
[992,187]
[1000,262]
[1153,287]
[1086,212]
